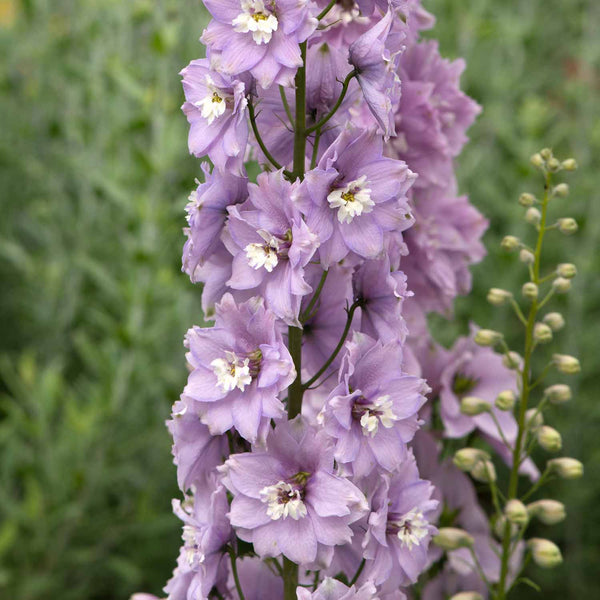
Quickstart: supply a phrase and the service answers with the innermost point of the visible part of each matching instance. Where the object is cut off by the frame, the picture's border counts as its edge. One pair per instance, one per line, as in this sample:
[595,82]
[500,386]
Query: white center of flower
[257,19]
[283,500]
[232,372]
[193,555]
[352,200]
[373,414]
[411,528]
[263,255]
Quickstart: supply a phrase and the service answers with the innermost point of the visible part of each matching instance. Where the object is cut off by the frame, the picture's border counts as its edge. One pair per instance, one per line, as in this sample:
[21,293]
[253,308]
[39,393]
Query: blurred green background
[94,175]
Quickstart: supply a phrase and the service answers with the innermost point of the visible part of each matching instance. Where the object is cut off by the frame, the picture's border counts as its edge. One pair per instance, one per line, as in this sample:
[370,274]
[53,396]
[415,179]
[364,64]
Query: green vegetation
[94,174]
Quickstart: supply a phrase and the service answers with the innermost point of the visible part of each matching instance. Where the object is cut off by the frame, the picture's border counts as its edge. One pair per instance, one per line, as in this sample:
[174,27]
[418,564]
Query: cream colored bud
[567,225]
[554,320]
[561,285]
[484,471]
[505,400]
[542,334]
[452,538]
[570,164]
[510,243]
[472,406]
[516,512]
[467,596]
[546,153]
[566,270]
[561,190]
[533,216]
[527,199]
[500,524]
[558,393]
[549,512]
[530,290]
[537,160]
[487,337]
[566,468]
[546,554]
[498,297]
[568,365]
[534,419]
[553,164]
[466,458]
[512,360]
[526,256]
[549,439]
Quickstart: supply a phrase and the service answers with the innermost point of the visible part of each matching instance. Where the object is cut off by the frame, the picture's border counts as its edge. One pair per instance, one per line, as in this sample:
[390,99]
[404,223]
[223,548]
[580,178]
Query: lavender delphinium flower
[331,589]
[287,499]
[261,37]
[215,107]
[373,412]
[238,369]
[206,216]
[354,196]
[271,245]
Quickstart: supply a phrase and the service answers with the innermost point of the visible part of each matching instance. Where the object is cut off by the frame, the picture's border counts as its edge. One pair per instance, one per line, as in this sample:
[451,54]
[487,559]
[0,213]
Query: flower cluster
[297,437]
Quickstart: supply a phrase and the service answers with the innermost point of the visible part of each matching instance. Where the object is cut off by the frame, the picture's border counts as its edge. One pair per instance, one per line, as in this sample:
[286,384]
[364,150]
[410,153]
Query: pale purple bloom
[216,110]
[375,56]
[399,528]
[373,412]
[206,216]
[271,245]
[261,37]
[196,452]
[287,499]
[239,367]
[355,196]
[202,562]
[444,241]
[434,114]
[381,293]
[331,589]
[257,580]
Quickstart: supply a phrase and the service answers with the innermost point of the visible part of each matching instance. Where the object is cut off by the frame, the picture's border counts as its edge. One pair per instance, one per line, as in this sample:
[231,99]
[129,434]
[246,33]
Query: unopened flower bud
[498,297]
[568,365]
[546,153]
[566,270]
[567,225]
[534,419]
[467,596]
[549,439]
[546,554]
[487,337]
[553,164]
[533,216]
[530,290]
[472,406]
[512,360]
[500,524]
[542,334]
[554,320]
[510,243]
[561,285]
[558,393]
[570,164]
[505,400]
[549,512]
[561,190]
[527,199]
[516,512]
[566,468]
[526,256]
[537,160]
[452,538]
[466,458]
[484,471]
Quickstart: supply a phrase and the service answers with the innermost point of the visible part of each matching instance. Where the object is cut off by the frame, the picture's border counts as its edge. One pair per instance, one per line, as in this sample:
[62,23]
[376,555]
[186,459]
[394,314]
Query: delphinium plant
[314,438]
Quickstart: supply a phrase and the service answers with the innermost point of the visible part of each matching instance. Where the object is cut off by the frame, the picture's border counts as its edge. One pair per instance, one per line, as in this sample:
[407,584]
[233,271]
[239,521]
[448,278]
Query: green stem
[332,112]
[296,390]
[286,105]
[358,572]
[290,579]
[307,313]
[324,12]
[300,128]
[525,389]
[235,575]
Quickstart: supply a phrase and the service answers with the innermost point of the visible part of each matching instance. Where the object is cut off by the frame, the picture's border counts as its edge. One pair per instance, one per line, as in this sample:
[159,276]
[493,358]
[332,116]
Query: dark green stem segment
[296,390]
[358,572]
[300,128]
[525,390]
[323,14]
[290,579]
[236,578]
[332,112]
[313,301]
